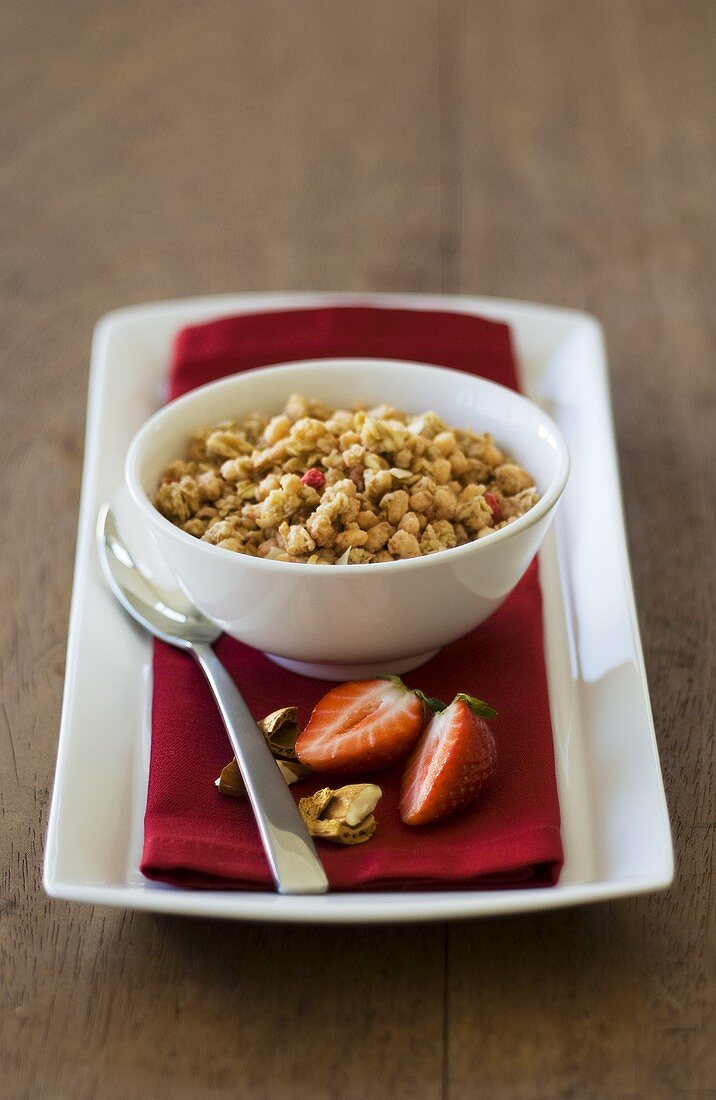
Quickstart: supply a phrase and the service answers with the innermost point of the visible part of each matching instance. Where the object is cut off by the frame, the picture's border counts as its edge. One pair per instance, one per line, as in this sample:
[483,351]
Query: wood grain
[558,151]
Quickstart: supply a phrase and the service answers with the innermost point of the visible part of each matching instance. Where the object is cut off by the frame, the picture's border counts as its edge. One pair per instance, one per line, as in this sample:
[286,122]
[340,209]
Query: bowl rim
[545,504]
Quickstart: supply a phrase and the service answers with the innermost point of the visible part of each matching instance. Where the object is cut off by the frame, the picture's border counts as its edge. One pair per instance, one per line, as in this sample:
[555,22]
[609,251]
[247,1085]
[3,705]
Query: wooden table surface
[557,151]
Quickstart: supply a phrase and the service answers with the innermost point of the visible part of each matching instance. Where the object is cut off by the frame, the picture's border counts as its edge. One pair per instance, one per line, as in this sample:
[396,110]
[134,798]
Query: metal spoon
[290,851]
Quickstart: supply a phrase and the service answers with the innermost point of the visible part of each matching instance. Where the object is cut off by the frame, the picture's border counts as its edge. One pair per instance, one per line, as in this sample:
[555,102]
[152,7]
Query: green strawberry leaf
[432,704]
[482,710]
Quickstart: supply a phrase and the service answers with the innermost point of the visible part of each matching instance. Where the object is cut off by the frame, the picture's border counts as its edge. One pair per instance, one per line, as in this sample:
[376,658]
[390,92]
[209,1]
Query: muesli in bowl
[321,485]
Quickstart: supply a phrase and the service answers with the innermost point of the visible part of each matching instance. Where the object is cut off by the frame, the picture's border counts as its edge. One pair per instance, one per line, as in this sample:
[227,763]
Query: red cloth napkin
[193,836]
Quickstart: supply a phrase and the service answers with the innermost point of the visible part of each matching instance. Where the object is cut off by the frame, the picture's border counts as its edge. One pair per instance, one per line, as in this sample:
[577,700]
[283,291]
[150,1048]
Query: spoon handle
[291,853]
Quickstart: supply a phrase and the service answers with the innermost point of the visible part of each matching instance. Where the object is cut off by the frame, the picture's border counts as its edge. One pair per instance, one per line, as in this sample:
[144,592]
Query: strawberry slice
[361,726]
[450,764]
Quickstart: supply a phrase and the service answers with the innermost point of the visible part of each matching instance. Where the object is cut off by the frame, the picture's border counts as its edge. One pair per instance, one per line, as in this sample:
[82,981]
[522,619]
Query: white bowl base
[368,671]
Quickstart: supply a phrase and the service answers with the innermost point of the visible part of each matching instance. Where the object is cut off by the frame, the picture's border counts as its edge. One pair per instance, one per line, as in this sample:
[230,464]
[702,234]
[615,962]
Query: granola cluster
[327,486]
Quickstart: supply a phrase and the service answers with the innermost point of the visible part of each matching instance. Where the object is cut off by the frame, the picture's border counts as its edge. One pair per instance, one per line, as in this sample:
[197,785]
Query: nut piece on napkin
[344,816]
[281,730]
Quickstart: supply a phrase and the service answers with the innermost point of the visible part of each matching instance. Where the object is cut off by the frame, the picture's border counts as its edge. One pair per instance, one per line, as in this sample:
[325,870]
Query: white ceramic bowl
[353,621]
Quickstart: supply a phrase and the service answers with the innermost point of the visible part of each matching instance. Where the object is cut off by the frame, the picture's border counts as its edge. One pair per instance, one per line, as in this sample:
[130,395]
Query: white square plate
[615,826]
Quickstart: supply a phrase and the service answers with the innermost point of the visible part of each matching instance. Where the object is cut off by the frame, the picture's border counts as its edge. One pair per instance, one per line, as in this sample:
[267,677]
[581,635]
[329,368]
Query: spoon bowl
[153,608]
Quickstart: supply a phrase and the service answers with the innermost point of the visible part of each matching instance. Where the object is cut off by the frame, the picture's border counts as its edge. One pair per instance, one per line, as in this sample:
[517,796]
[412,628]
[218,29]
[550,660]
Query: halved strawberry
[361,726]
[450,764]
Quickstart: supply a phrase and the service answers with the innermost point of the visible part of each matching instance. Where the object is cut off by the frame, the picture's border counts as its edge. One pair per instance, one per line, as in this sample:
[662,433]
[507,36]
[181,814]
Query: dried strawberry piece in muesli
[314,478]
